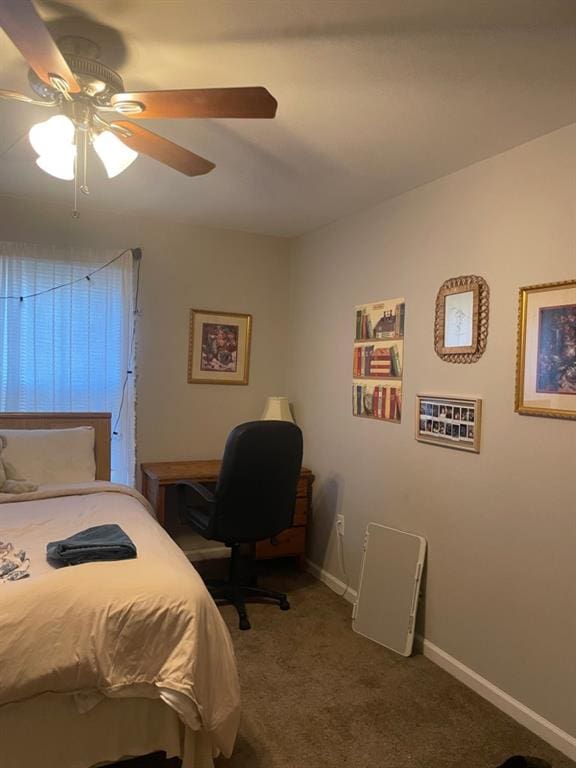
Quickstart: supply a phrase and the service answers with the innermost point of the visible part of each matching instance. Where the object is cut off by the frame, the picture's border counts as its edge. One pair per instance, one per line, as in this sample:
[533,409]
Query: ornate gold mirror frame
[461,322]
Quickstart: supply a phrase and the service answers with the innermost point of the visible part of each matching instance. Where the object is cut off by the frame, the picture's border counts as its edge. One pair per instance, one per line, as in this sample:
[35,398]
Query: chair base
[238,594]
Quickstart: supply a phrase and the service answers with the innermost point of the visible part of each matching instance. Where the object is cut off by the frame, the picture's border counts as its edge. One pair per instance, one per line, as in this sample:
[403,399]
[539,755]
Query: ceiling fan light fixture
[60,163]
[115,155]
[52,134]
[73,79]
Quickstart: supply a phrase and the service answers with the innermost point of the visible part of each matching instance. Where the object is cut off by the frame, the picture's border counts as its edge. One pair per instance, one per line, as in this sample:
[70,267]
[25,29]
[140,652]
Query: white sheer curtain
[69,349]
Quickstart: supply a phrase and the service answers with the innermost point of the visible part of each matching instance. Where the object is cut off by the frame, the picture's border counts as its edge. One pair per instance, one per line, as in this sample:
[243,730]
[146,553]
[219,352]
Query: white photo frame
[449,421]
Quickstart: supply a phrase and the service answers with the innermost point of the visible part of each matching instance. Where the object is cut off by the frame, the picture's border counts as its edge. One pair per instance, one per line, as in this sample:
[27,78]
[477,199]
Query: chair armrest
[201,490]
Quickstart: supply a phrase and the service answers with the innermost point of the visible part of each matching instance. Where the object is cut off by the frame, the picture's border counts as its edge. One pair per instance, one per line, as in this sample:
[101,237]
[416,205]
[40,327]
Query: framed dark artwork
[454,422]
[461,319]
[546,355]
[218,347]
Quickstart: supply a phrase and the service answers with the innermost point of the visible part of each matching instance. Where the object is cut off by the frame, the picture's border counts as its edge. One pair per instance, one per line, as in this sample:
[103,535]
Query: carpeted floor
[317,695]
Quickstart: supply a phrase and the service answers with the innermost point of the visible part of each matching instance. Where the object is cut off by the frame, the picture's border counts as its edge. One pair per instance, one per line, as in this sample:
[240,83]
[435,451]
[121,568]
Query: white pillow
[51,455]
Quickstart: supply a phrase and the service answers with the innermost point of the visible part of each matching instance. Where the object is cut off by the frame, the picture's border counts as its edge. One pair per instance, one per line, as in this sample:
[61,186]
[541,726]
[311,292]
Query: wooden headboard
[100,422]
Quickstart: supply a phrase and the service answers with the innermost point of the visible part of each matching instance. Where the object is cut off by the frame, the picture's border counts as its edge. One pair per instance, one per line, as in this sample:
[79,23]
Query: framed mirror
[461,323]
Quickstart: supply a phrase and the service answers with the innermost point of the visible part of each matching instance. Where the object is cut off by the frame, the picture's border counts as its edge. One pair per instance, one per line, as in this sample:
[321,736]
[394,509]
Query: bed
[106,660]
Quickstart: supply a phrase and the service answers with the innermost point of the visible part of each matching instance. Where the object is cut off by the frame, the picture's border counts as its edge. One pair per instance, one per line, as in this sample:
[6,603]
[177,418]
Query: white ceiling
[375,97]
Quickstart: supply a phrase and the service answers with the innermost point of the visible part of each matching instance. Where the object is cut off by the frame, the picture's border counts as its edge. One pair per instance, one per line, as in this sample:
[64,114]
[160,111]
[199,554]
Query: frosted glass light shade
[115,155]
[277,409]
[59,163]
[52,134]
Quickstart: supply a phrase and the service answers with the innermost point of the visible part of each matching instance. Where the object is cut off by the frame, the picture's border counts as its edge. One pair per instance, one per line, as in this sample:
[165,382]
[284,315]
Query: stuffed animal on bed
[10,481]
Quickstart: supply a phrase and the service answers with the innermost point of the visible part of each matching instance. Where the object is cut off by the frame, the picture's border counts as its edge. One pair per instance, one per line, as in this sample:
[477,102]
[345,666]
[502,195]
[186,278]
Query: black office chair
[253,500]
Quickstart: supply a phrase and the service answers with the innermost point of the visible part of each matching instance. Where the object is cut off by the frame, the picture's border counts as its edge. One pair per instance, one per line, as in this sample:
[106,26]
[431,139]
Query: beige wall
[501,525]
[182,267]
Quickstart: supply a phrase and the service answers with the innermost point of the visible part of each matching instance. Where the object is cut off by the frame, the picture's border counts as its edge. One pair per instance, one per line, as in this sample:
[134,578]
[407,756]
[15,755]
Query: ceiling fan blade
[198,102]
[161,149]
[16,96]
[21,22]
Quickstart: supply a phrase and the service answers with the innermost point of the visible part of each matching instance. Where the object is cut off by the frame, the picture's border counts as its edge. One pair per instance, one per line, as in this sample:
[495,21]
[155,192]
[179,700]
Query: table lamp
[277,409]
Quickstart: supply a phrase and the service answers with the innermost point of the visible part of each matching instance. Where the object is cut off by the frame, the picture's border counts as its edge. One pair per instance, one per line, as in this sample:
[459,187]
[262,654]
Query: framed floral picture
[218,347]
[546,356]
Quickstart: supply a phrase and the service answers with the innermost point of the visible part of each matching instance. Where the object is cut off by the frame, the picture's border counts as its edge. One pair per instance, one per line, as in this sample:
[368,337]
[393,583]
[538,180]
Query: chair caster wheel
[284,605]
[244,624]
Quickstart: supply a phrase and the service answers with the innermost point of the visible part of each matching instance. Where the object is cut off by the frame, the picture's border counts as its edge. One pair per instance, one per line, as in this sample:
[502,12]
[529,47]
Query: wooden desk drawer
[290,542]
[300,511]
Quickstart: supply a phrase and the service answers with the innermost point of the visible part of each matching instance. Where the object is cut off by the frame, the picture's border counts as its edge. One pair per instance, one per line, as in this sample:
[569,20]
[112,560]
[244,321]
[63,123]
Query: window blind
[69,349]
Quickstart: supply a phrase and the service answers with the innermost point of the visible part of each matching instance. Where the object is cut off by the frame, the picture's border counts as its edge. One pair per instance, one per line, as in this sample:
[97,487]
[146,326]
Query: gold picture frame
[546,351]
[449,421]
[218,347]
[461,319]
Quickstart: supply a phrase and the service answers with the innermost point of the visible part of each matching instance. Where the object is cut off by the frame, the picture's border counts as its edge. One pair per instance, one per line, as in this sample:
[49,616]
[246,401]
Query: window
[69,348]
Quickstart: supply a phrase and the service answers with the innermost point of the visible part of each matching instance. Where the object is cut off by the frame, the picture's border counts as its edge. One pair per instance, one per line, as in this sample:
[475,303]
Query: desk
[290,543]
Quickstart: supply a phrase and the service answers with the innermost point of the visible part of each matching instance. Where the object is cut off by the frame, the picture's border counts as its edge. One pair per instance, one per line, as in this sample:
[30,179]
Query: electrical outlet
[340,525]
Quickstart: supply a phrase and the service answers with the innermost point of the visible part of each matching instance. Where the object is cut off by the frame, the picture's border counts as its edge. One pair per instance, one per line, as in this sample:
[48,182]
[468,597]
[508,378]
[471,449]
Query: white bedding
[142,628]
[115,729]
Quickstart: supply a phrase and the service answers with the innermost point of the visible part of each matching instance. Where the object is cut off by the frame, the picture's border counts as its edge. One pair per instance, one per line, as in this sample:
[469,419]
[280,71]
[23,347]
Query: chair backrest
[256,489]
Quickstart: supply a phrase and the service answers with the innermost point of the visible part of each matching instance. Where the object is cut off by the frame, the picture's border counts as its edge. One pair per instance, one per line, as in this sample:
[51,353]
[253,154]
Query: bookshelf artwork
[378,360]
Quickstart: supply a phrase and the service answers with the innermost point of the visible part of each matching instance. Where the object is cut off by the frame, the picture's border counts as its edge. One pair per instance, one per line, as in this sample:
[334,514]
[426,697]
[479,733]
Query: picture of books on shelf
[377,401]
[383,320]
[450,421]
[380,360]
[378,355]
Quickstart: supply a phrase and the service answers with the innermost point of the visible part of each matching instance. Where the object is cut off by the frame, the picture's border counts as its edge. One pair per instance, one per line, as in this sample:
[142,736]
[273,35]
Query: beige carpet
[316,695]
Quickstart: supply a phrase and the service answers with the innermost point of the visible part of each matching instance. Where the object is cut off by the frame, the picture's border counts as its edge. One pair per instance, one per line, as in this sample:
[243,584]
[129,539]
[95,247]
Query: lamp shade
[52,135]
[115,155]
[59,163]
[277,409]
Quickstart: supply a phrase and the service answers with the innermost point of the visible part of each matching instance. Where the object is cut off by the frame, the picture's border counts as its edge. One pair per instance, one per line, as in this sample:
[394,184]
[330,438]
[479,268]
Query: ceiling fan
[69,78]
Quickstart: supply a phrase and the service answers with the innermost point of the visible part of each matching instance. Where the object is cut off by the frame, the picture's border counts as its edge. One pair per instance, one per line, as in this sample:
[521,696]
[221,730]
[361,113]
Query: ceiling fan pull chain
[84,187]
[75,211]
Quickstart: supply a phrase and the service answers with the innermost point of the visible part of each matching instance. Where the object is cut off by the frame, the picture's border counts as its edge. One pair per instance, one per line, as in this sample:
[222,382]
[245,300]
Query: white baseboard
[531,720]
[555,736]
[331,581]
